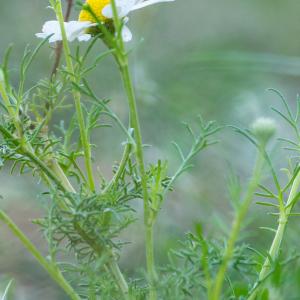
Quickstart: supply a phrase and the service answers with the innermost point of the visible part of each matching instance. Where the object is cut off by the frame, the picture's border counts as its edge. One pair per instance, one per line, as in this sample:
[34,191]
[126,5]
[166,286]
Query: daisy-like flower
[102,11]
[74,30]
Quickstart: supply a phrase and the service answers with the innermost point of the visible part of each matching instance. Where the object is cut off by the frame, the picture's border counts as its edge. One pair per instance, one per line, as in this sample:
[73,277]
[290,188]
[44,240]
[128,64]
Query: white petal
[55,38]
[124,7]
[84,37]
[41,35]
[142,4]
[50,28]
[74,29]
[126,34]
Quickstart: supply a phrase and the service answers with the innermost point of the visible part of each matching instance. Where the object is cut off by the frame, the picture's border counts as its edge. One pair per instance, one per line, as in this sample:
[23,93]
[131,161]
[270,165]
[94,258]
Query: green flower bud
[264,129]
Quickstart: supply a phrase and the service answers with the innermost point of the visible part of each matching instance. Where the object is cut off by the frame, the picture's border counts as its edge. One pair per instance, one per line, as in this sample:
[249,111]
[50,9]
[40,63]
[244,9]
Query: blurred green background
[216,58]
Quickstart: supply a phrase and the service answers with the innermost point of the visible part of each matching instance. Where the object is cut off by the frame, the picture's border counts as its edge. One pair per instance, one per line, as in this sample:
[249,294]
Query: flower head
[264,129]
[96,6]
[92,12]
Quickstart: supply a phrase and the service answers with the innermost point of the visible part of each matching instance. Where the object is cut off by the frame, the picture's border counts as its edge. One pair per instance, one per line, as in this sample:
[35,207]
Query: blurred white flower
[74,30]
[124,7]
[103,11]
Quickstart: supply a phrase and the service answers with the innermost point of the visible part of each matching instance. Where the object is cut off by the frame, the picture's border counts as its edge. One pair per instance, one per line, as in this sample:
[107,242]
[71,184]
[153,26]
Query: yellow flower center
[96,6]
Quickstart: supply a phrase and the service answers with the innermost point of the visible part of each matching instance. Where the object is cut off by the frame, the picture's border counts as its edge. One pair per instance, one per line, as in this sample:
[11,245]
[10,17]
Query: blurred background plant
[218,60]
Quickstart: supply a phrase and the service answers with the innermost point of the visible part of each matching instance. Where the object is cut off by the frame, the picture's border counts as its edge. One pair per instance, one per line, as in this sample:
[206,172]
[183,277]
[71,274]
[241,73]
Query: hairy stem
[83,131]
[122,59]
[55,167]
[77,100]
[216,289]
[51,269]
[134,119]
[59,46]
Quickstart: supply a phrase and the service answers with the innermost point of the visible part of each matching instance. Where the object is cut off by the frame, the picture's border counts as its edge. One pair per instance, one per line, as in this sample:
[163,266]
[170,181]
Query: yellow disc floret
[96,6]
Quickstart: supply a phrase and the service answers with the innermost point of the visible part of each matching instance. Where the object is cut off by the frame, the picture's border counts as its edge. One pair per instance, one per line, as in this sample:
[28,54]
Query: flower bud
[263,129]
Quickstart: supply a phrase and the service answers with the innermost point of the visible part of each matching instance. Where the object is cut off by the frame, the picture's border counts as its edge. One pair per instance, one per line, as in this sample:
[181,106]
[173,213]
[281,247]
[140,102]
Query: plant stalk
[277,241]
[140,160]
[115,270]
[122,59]
[216,290]
[9,108]
[77,100]
[84,134]
[52,270]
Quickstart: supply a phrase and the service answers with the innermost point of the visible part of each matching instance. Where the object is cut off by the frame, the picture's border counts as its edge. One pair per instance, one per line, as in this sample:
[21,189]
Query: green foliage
[86,215]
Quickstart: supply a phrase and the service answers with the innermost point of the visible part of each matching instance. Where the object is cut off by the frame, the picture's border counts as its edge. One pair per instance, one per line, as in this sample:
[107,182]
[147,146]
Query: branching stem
[77,100]
[277,241]
[215,292]
[122,58]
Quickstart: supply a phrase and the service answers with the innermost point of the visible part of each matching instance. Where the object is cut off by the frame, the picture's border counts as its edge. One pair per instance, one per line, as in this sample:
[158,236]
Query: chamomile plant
[86,213]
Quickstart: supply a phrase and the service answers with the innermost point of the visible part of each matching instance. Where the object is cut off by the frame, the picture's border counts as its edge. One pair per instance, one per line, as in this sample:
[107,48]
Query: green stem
[150,261]
[12,113]
[215,292]
[52,270]
[121,168]
[277,241]
[55,167]
[115,270]
[134,119]
[83,132]
[111,266]
[77,100]
[122,59]
[56,174]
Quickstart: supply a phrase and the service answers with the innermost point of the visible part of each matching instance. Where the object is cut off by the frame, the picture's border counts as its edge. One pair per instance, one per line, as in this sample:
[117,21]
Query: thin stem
[181,168]
[12,113]
[28,153]
[121,168]
[115,270]
[150,261]
[55,167]
[277,241]
[59,46]
[51,269]
[122,58]
[111,266]
[140,160]
[83,131]
[215,292]
[77,100]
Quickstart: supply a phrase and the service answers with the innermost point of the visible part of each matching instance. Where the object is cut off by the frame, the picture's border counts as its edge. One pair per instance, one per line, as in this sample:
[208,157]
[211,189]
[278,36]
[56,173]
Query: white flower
[77,29]
[124,7]
[74,30]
